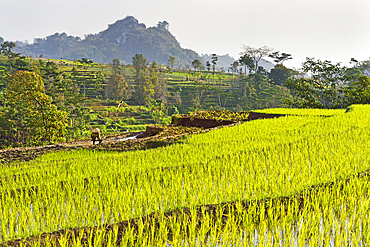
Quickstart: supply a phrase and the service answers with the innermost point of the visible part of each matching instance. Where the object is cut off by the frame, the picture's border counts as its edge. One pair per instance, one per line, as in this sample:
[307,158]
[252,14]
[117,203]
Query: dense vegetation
[273,180]
[81,95]
[86,95]
[121,40]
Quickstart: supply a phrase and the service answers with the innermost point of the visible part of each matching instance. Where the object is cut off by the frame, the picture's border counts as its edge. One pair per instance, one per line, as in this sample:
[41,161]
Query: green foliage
[30,109]
[197,65]
[158,82]
[117,87]
[6,50]
[322,89]
[171,62]
[279,74]
[173,111]
[359,91]
[157,110]
[248,62]
[217,115]
[144,89]
[208,66]
[156,43]
[257,92]
[131,120]
[279,59]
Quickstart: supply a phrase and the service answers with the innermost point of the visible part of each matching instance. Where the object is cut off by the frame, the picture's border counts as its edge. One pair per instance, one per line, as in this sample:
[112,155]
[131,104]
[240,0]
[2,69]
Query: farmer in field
[95,134]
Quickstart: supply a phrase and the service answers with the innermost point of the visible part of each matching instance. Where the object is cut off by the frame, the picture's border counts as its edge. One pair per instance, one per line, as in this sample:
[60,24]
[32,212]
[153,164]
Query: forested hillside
[121,40]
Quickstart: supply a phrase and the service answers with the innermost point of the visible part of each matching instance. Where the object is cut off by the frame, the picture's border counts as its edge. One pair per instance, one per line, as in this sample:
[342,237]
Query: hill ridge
[122,39]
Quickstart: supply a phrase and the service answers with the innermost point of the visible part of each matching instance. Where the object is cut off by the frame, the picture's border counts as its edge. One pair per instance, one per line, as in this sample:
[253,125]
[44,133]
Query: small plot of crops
[217,115]
[244,171]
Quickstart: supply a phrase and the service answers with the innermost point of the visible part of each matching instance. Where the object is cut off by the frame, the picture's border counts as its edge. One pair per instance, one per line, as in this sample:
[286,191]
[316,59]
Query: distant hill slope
[121,40]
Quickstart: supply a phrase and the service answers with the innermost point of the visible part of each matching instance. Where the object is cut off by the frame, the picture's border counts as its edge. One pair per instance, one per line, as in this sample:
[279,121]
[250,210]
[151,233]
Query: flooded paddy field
[296,180]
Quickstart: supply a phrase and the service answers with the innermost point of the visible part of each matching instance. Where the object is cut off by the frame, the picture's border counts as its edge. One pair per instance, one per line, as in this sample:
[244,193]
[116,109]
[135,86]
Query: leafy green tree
[247,62]
[214,63]
[172,62]
[158,81]
[280,58]
[144,89]
[196,65]
[322,89]
[234,69]
[359,91]
[364,67]
[116,66]
[256,54]
[140,64]
[39,119]
[6,50]
[279,74]
[157,110]
[15,60]
[208,66]
[256,92]
[116,85]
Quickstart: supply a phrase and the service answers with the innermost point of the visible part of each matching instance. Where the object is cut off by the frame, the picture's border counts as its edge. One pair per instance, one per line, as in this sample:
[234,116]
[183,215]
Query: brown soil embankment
[211,123]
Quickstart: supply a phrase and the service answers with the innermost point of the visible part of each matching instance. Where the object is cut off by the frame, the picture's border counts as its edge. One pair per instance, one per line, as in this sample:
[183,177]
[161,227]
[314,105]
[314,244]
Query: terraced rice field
[297,180]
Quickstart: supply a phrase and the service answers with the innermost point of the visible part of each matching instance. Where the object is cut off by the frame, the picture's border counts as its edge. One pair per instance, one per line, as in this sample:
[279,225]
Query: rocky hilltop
[121,40]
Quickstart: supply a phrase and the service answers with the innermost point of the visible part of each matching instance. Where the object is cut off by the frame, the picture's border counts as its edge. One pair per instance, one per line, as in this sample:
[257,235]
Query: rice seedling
[316,162]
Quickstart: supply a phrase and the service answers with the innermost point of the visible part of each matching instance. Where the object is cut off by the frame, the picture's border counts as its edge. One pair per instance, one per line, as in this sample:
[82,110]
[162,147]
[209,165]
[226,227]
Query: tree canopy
[38,119]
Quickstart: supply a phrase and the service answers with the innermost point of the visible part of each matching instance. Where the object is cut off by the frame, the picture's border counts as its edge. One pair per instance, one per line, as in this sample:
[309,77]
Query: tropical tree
[279,59]
[234,69]
[31,110]
[172,62]
[256,54]
[144,89]
[214,62]
[208,66]
[158,82]
[359,91]
[117,87]
[196,65]
[157,110]
[322,88]
[279,74]
[247,62]
[6,50]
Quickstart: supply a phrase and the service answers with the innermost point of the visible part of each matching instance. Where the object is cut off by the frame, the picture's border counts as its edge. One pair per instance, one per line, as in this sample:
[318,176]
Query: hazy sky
[334,30]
